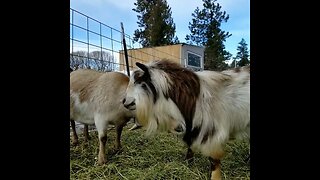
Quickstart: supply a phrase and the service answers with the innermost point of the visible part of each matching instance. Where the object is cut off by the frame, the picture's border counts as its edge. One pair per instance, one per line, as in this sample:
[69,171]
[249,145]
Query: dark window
[194,60]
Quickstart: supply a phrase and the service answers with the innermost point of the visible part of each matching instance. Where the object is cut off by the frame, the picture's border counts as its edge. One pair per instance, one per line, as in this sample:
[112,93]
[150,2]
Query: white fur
[224,106]
[227,108]
[81,112]
[103,103]
[150,111]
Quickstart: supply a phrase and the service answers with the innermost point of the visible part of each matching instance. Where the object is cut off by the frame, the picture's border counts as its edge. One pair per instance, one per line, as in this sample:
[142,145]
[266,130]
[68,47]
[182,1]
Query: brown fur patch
[184,91]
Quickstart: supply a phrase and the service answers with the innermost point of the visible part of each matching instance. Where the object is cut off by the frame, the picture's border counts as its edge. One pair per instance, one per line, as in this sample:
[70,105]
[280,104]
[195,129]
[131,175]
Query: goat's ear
[142,67]
[145,71]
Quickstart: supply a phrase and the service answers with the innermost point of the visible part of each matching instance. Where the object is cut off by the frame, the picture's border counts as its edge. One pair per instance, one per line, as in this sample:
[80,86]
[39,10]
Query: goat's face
[148,94]
[140,94]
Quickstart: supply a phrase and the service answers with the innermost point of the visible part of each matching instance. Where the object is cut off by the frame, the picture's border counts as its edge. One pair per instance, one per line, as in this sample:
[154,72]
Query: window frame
[187,60]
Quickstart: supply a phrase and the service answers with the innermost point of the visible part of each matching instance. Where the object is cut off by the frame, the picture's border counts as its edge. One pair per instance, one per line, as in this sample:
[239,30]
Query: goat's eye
[144,86]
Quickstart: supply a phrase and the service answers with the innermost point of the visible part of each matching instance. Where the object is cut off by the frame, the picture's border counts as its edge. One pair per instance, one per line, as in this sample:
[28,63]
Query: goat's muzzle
[129,103]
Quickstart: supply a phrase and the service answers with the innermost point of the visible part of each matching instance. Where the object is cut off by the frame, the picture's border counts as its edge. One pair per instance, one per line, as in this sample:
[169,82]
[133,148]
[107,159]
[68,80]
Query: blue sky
[112,12]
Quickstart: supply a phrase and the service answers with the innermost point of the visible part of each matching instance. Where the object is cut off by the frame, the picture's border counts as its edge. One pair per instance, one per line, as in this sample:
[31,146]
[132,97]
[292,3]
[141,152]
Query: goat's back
[93,92]
[223,108]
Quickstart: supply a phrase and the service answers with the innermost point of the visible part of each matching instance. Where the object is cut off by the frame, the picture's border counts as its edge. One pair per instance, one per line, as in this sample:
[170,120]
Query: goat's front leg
[86,133]
[189,155]
[102,155]
[118,136]
[216,165]
[101,126]
[74,133]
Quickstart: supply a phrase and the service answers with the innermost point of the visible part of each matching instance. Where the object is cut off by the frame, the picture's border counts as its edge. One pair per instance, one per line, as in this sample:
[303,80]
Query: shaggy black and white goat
[207,107]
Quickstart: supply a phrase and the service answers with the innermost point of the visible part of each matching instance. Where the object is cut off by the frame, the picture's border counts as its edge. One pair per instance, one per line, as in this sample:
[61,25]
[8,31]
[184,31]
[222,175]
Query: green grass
[148,158]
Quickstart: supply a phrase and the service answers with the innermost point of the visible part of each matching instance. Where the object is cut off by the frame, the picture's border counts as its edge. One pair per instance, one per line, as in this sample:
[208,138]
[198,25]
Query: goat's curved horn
[142,67]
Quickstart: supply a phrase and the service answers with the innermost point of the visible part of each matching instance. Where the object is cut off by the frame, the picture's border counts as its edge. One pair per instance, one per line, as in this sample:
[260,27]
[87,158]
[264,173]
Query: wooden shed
[189,56]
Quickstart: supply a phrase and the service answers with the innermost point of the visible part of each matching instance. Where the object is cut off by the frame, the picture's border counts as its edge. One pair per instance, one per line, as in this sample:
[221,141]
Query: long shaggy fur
[208,107]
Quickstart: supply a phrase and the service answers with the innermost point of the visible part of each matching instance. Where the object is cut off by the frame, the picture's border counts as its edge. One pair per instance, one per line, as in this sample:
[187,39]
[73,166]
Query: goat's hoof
[117,148]
[134,127]
[189,160]
[75,143]
[102,162]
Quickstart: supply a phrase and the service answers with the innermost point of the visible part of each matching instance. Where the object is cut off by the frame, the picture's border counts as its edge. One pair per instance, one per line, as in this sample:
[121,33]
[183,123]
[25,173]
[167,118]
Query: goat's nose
[124,100]
[179,129]
[129,103]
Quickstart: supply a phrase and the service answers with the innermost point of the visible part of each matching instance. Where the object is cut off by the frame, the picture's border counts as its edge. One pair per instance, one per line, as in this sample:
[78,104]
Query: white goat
[96,98]
[207,107]
[74,132]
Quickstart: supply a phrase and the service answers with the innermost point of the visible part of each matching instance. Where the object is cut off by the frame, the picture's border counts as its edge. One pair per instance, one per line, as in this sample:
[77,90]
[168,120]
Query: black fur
[191,135]
[145,78]
[209,133]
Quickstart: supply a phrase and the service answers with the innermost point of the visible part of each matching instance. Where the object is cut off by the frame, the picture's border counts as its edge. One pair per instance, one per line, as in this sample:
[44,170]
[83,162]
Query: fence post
[125,48]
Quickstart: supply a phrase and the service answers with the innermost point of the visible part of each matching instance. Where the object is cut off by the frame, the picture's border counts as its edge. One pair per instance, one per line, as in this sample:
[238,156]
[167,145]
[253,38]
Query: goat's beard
[145,115]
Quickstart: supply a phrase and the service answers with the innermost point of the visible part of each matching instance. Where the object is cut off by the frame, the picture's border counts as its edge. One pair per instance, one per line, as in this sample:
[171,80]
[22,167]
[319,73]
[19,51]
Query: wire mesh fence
[95,45]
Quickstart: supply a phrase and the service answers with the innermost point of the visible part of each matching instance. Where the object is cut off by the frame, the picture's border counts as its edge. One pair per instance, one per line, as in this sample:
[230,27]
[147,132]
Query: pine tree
[243,53]
[205,31]
[156,26]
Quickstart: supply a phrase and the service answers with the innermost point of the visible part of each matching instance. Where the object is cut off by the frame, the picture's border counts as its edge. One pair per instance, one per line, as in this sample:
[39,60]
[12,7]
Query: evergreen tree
[205,31]
[243,53]
[156,26]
